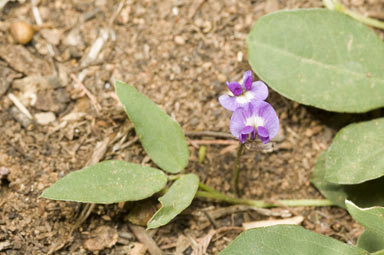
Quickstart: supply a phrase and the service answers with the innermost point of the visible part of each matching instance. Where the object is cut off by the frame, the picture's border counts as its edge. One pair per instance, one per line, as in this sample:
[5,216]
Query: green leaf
[178,197]
[371,218]
[161,136]
[108,182]
[371,241]
[202,152]
[287,240]
[365,194]
[357,153]
[320,58]
[334,192]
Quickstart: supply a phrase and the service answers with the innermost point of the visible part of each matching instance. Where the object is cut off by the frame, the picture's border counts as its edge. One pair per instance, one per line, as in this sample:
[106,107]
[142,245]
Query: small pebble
[175,11]
[221,78]
[176,69]
[22,32]
[123,18]
[207,26]
[40,186]
[179,40]
[5,245]
[3,171]
[199,22]
[103,237]
[44,118]
[51,35]
[239,56]
[21,118]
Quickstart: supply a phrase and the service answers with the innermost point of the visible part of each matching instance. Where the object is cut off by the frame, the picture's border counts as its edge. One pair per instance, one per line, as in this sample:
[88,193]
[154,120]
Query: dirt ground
[179,53]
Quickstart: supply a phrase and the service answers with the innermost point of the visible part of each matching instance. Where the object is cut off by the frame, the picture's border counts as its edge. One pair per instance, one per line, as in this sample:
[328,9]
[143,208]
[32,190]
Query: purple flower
[241,95]
[256,119]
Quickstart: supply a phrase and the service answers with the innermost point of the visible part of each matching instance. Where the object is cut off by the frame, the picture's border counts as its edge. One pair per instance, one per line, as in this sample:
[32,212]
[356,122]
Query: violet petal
[263,134]
[237,123]
[229,102]
[247,80]
[245,133]
[268,114]
[253,135]
[259,91]
[243,138]
[235,88]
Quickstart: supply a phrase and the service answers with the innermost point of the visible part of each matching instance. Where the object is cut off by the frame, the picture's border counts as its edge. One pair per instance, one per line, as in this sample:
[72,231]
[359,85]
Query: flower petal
[235,88]
[229,102]
[238,120]
[245,133]
[247,80]
[253,135]
[259,91]
[263,134]
[268,114]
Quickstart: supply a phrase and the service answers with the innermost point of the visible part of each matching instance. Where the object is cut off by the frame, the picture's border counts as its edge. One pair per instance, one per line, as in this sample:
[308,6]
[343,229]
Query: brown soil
[179,53]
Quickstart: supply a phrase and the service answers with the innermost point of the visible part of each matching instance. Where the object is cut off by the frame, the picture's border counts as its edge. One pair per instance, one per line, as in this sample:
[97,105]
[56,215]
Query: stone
[21,60]
[179,40]
[44,118]
[26,122]
[5,245]
[7,76]
[51,35]
[74,38]
[52,100]
[103,237]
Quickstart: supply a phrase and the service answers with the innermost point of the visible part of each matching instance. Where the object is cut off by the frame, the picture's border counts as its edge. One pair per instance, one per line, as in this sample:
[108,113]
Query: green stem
[366,20]
[174,177]
[235,178]
[207,188]
[335,5]
[378,252]
[210,192]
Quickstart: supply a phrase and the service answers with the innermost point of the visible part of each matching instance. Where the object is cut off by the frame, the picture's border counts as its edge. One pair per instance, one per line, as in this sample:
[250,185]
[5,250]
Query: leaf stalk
[334,5]
[209,192]
[236,171]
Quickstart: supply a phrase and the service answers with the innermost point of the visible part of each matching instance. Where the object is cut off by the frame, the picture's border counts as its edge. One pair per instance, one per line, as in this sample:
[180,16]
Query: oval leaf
[178,197]
[365,194]
[357,153]
[371,242]
[287,240]
[161,136]
[371,218]
[108,182]
[332,191]
[338,67]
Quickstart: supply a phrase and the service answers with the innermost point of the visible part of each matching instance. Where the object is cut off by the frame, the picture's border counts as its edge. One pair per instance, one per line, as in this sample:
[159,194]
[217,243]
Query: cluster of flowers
[252,117]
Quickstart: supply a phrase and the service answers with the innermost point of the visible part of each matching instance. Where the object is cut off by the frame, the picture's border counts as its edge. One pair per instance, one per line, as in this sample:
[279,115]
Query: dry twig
[19,105]
[142,235]
[194,8]
[210,134]
[266,223]
[220,142]
[87,92]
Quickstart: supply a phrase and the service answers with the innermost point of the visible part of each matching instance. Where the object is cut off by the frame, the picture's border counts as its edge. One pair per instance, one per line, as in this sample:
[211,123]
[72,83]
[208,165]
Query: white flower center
[245,98]
[230,93]
[254,121]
